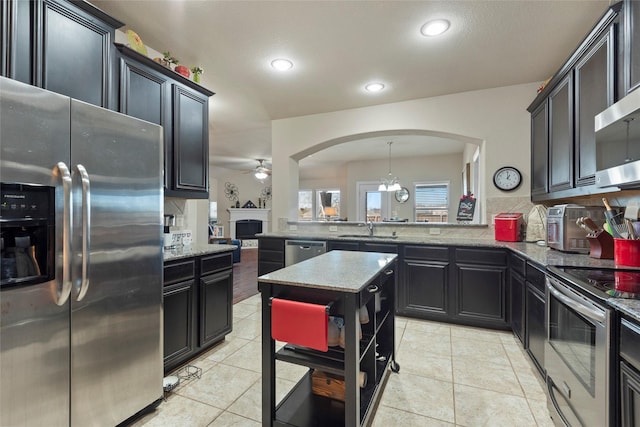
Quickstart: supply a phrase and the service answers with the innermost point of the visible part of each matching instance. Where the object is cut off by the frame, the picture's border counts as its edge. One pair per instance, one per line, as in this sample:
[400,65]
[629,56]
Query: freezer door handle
[86,230]
[64,291]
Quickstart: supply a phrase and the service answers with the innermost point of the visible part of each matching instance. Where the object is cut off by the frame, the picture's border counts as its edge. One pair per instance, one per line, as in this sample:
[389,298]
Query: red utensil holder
[626,252]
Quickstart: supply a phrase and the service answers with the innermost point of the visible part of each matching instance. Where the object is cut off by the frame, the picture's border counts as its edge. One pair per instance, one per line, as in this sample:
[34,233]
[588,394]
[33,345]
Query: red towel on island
[299,323]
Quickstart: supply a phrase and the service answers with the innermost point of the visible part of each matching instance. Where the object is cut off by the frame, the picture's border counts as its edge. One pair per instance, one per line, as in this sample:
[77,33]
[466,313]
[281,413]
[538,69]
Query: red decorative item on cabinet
[181,69]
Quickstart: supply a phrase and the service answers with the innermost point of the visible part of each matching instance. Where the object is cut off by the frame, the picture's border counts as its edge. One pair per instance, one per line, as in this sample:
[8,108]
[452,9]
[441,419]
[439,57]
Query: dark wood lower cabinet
[517,288]
[270,255]
[630,395]
[428,294]
[480,295]
[629,357]
[535,315]
[198,304]
[216,302]
[535,332]
[178,321]
[479,291]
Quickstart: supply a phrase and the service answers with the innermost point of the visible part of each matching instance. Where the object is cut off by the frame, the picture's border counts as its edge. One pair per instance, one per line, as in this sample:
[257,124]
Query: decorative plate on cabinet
[135,42]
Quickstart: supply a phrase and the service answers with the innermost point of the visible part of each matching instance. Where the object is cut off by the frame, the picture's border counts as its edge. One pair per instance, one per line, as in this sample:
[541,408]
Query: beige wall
[249,188]
[498,117]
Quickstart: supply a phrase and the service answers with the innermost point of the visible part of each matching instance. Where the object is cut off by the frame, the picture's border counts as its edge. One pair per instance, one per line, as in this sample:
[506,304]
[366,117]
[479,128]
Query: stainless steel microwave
[618,143]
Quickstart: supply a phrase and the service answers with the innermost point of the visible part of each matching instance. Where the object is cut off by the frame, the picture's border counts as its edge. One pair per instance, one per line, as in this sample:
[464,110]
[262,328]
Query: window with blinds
[432,202]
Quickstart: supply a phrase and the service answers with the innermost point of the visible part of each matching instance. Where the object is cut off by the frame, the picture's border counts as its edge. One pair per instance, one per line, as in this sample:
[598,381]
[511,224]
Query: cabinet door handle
[388,272]
[373,289]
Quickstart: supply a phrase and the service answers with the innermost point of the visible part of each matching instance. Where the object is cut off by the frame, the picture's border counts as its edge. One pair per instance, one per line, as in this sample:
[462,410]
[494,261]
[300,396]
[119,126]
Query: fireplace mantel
[237,214]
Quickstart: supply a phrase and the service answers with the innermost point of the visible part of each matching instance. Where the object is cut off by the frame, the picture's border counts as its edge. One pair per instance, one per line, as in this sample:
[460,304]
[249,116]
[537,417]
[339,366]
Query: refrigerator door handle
[86,230]
[65,177]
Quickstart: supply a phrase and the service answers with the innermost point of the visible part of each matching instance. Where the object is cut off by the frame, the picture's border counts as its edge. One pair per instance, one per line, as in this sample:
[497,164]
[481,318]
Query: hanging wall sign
[466,208]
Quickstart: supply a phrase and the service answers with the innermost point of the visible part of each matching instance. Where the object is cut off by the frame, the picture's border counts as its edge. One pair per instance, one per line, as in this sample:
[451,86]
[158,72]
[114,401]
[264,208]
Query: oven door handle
[594,315]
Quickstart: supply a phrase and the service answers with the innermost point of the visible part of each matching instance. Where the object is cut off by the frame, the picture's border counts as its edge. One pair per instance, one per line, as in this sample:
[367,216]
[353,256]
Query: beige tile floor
[450,376]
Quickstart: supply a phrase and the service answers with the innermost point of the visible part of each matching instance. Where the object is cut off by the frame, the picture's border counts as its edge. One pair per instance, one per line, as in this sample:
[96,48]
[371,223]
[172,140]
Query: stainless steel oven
[577,356]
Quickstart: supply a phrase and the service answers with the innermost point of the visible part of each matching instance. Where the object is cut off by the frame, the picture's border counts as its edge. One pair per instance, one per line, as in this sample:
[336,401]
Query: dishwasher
[299,250]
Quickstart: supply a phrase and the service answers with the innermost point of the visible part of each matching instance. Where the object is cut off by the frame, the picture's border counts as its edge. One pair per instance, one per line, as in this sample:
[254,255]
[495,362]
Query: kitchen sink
[366,236]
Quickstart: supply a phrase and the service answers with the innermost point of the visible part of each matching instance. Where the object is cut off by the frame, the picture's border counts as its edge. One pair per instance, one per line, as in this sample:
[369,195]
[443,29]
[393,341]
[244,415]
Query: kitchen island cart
[357,291]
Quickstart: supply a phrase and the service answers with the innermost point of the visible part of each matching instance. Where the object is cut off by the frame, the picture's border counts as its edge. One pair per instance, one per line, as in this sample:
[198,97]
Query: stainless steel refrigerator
[81,290]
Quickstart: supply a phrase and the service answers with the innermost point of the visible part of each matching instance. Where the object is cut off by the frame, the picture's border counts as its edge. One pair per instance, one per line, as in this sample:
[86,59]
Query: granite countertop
[195,250]
[333,271]
[630,307]
[541,255]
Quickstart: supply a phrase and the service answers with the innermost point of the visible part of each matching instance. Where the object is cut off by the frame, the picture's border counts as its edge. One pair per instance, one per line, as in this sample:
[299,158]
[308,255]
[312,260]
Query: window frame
[445,207]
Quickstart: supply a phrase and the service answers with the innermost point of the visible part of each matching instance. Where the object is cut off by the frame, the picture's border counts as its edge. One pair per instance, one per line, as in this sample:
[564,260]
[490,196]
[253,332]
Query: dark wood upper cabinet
[63,46]
[190,140]
[561,135]
[157,94]
[563,153]
[594,83]
[539,150]
[144,94]
[632,45]
[16,35]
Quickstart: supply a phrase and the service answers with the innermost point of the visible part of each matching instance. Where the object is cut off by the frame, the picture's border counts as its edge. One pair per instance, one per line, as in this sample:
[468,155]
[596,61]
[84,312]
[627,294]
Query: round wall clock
[402,195]
[507,178]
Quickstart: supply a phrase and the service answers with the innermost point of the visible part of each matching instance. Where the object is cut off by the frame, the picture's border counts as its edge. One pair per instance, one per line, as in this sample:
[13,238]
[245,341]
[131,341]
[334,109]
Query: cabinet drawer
[630,342]
[481,256]
[379,247]
[271,244]
[178,271]
[435,253]
[339,245]
[536,276]
[213,263]
[271,256]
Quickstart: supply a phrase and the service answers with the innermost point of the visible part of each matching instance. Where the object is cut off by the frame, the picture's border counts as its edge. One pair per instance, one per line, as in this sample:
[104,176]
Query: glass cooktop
[616,283]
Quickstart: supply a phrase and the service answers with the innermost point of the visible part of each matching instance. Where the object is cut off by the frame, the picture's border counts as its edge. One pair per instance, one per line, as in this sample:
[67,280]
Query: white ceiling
[339,46]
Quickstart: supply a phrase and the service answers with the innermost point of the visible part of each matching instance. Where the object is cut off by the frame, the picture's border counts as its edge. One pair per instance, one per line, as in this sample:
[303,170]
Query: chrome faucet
[369,225]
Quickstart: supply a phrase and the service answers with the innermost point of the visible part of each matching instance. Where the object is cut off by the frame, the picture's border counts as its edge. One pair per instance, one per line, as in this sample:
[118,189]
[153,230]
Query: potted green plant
[169,60]
[197,71]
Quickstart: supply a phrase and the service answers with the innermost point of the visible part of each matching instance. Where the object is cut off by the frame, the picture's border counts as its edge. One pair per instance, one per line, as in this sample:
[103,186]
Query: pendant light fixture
[390,183]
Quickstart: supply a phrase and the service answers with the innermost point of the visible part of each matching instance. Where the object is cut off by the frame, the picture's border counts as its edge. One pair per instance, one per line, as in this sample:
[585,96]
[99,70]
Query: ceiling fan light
[260,174]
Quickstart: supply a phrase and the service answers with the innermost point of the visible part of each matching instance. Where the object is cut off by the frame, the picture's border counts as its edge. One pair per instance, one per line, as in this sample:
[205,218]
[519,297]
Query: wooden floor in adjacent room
[245,275]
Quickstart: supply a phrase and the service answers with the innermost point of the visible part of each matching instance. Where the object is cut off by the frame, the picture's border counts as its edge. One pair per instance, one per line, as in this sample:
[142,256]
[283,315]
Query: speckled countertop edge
[630,307]
[334,271]
[195,250]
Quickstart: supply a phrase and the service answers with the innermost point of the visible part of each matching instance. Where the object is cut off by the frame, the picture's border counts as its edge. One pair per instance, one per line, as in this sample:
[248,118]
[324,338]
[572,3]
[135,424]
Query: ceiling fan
[261,172]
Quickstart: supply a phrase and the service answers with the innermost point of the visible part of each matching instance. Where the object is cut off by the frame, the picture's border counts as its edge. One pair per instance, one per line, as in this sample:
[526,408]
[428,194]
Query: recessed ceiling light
[282,64]
[435,27]
[374,87]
